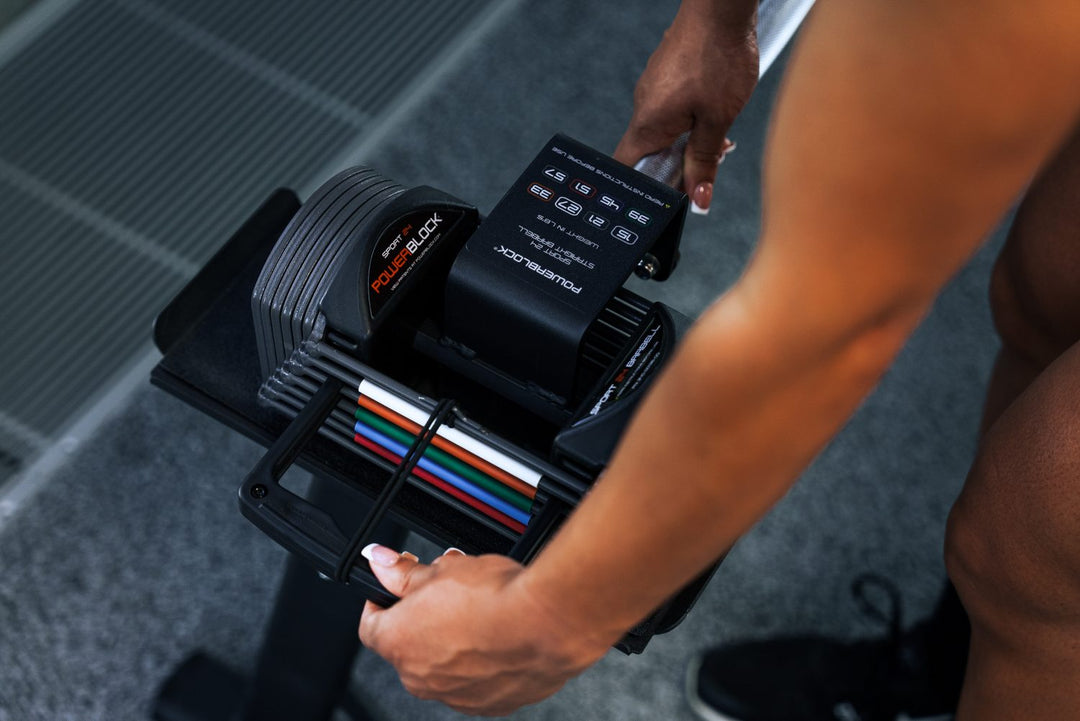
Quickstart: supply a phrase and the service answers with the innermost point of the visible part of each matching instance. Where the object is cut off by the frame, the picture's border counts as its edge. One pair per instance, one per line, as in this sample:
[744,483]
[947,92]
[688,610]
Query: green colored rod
[446,460]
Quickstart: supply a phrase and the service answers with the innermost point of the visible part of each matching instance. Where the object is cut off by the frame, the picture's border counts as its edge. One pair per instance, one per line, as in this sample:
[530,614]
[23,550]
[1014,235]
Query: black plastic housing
[589,440]
[533,279]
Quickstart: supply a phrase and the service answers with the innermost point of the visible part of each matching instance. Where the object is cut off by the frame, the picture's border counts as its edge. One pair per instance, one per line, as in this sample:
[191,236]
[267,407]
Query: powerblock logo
[538,269]
[409,247]
[402,248]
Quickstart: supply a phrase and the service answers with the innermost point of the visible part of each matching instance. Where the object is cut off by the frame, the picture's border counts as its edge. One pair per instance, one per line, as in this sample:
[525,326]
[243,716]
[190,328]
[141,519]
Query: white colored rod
[419,416]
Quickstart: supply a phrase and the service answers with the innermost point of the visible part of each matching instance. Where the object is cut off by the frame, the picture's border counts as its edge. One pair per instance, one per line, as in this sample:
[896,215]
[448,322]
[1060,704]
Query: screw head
[258,491]
[647,267]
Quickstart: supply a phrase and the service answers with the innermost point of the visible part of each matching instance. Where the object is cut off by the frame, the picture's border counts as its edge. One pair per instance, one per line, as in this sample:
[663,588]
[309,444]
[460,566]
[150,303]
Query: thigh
[1020,507]
[1013,538]
[1018,516]
[1013,553]
[1035,290]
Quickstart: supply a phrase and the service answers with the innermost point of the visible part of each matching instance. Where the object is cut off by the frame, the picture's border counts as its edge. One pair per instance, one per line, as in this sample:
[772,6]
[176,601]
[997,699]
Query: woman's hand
[467,632]
[698,80]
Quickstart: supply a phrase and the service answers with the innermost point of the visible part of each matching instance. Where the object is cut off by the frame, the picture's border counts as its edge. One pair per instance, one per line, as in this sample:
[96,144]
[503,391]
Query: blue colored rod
[450,477]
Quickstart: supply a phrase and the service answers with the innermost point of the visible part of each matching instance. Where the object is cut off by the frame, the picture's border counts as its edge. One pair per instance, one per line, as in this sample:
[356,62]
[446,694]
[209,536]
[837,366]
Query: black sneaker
[812,678]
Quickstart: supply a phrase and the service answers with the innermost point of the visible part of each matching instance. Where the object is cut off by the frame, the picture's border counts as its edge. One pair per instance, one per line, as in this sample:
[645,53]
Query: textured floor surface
[147,129]
[132,554]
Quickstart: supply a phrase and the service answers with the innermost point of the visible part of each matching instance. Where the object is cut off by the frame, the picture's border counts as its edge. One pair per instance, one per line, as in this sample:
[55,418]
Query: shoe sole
[706,712]
[697,704]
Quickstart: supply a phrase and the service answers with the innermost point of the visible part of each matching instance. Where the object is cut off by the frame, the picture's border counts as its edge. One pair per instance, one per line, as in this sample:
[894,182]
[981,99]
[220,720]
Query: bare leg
[1036,284]
[1013,543]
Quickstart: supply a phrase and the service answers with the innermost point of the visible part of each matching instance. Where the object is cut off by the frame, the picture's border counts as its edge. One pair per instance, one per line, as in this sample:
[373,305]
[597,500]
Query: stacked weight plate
[300,268]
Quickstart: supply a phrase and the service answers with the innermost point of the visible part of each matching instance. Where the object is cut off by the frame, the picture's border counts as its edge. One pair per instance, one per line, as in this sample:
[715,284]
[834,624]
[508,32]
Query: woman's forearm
[718,441]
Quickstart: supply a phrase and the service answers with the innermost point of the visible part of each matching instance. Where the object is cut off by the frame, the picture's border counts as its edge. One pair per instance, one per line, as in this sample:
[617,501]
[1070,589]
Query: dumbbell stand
[303,668]
[310,642]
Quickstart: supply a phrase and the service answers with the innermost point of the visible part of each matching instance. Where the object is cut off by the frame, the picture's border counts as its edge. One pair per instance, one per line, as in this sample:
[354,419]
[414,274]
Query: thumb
[643,137]
[399,573]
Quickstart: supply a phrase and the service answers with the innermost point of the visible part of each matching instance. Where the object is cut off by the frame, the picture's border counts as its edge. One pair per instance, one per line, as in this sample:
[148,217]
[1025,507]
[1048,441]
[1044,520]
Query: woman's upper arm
[903,133]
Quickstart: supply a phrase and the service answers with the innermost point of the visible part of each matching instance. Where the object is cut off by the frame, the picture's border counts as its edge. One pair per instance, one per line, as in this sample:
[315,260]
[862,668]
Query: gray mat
[130,557]
[133,554]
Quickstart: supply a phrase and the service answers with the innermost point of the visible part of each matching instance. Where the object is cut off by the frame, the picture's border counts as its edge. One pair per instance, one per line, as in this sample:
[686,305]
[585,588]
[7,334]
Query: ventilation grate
[137,135]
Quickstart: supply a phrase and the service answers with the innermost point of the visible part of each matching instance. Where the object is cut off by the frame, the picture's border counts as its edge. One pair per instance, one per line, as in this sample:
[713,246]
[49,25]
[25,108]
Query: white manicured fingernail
[450,550]
[697,209]
[380,555]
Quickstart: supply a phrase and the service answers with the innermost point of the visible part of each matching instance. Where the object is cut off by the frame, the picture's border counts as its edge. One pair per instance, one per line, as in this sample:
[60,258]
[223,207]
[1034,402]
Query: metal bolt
[647,267]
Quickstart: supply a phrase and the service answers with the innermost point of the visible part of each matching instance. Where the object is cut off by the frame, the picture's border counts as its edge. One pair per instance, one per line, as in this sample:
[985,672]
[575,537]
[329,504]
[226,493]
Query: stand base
[204,689]
[200,689]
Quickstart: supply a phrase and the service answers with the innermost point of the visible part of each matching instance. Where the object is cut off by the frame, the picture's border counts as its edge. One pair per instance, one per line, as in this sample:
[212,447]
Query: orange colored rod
[460,453]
